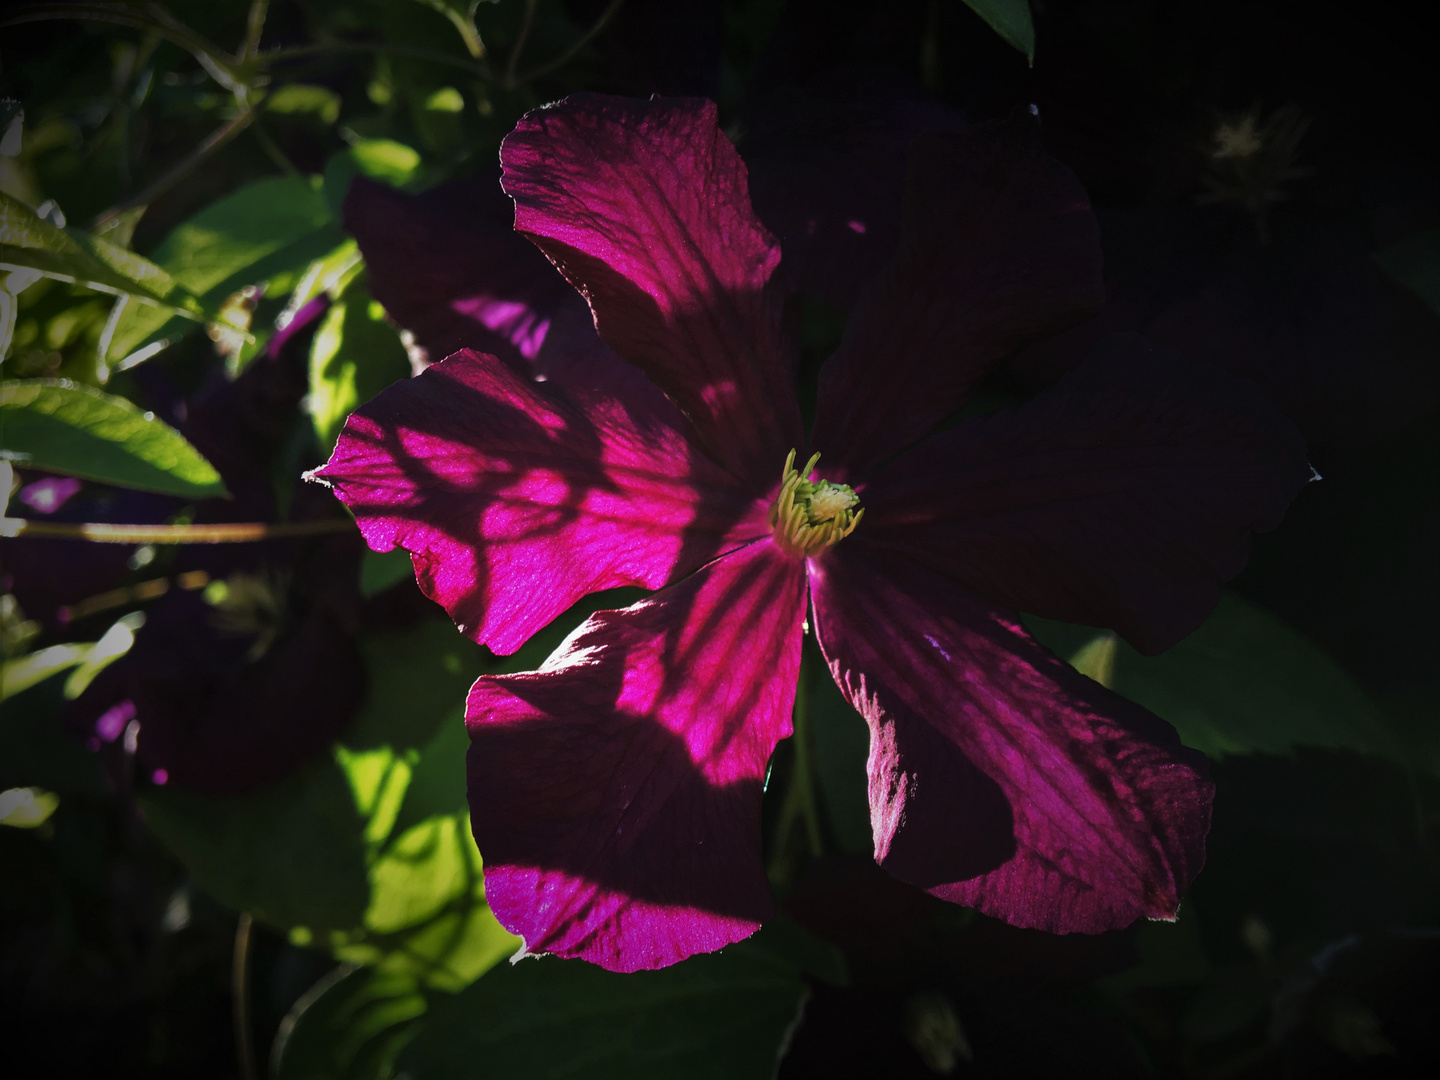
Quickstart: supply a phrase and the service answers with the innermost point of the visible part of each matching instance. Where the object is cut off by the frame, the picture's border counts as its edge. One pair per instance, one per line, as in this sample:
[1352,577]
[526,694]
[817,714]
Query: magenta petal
[1001,778]
[517,498]
[1121,497]
[644,207]
[615,793]
[998,246]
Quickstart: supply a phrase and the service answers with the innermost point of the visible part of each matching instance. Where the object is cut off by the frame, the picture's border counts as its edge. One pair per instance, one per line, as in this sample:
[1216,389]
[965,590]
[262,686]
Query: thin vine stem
[531,6]
[240,998]
[560,61]
[217,139]
[254,27]
[149,17]
[243,532]
[300,52]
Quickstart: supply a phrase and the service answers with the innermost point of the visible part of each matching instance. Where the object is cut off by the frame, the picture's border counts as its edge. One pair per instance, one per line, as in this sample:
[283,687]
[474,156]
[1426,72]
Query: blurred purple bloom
[615,793]
[50,494]
[232,689]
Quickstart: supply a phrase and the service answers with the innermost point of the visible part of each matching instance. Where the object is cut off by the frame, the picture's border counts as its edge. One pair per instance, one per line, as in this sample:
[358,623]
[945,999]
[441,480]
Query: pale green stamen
[806,517]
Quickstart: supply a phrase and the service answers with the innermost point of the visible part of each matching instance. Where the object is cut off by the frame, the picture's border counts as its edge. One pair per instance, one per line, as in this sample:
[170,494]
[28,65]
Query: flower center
[808,518]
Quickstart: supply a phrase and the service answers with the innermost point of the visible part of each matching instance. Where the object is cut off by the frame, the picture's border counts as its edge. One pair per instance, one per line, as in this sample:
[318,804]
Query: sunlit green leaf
[354,356]
[29,242]
[19,673]
[301,99]
[1010,19]
[26,808]
[367,851]
[265,234]
[350,1026]
[79,431]
[725,1015]
[385,160]
[1244,683]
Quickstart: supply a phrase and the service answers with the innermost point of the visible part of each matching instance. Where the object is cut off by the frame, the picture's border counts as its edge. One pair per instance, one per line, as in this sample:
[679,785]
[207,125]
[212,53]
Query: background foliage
[171,182]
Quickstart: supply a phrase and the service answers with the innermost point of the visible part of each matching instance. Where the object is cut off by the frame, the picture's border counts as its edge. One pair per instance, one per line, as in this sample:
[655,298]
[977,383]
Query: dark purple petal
[615,793]
[516,498]
[449,267]
[644,207]
[1341,353]
[998,247]
[1121,497]
[1001,778]
[827,173]
[213,716]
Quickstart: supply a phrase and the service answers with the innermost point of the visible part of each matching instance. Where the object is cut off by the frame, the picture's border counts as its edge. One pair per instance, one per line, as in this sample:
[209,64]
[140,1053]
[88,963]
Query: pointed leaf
[367,851]
[29,242]
[351,1025]
[1244,683]
[1011,20]
[266,233]
[78,431]
[354,356]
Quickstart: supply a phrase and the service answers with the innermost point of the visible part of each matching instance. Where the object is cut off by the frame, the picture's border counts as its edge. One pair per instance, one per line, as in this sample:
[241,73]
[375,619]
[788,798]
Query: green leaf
[355,355]
[264,234]
[19,673]
[1415,263]
[842,745]
[367,851]
[726,1015]
[299,99]
[385,160]
[380,570]
[350,1026]
[1243,683]
[79,431]
[291,854]
[1011,20]
[29,242]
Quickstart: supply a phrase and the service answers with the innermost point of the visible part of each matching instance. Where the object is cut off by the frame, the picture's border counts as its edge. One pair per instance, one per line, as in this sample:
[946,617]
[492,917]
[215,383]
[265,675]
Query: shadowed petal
[1001,778]
[1121,497]
[615,793]
[998,246]
[214,720]
[644,207]
[827,172]
[516,498]
[450,268]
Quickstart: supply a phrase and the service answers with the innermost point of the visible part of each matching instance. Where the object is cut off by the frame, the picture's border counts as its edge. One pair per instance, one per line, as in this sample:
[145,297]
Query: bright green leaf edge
[29,242]
[75,430]
[1011,19]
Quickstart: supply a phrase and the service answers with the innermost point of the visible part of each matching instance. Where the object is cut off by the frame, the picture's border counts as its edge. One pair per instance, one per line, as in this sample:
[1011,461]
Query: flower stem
[240,532]
[799,836]
[216,139]
[240,996]
[585,39]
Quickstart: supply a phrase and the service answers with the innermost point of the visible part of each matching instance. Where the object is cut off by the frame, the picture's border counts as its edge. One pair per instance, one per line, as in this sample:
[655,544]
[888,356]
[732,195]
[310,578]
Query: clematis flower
[615,793]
